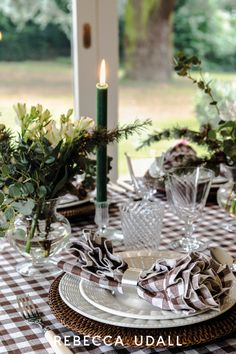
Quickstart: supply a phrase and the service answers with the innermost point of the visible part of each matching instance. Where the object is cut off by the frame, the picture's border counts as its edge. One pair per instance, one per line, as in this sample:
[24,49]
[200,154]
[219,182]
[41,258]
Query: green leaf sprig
[184,67]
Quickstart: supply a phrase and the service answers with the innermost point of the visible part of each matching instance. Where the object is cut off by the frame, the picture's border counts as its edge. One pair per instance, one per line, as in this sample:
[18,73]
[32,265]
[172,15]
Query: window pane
[151,33]
[35,60]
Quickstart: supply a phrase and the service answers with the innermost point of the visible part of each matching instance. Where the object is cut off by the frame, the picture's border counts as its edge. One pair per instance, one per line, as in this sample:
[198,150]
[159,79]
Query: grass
[50,83]
[45,82]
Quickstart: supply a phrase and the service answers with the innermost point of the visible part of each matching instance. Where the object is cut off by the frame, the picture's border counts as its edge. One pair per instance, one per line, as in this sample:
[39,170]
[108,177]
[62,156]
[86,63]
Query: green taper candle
[101,175]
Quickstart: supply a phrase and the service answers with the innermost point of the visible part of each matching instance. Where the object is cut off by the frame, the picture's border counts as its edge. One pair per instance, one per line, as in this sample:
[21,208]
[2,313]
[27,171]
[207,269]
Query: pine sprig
[104,136]
[123,132]
[202,137]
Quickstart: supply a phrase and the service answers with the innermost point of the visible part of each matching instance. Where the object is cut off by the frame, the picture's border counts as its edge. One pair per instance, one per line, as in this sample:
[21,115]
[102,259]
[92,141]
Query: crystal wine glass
[187,190]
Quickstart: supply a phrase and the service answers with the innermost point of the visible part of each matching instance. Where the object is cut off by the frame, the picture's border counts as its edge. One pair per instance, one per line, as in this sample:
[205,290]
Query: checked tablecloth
[17,337]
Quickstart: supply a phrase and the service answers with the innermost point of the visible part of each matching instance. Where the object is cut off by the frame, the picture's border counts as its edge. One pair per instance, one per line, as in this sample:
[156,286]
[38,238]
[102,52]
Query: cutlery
[223,257]
[116,187]
[123,187]
[130,191]
[30,313]
[126,186]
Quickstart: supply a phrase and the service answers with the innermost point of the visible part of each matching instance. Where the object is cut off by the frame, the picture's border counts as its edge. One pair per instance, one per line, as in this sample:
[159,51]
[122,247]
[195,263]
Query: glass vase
[226,195]
[39,237]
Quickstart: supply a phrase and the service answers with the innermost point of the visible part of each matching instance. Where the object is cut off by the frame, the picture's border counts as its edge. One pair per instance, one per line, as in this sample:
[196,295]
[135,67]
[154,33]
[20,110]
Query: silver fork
[30,313]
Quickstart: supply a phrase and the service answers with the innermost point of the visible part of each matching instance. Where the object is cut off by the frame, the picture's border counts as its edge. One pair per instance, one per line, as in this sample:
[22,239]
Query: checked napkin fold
[192,283]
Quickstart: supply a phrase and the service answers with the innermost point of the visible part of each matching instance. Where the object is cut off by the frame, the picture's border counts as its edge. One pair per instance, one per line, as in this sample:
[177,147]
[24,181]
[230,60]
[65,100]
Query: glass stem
[188,230]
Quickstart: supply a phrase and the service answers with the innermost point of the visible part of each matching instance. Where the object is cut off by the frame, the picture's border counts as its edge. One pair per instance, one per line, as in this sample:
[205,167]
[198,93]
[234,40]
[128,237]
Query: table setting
[13,283]
[142,271]
[17,336]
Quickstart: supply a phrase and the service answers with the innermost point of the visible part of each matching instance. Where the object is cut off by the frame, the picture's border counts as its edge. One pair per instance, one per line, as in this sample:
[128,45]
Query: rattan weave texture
[195,334]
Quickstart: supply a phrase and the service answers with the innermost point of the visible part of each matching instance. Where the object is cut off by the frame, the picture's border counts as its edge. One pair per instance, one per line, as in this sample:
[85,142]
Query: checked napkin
[192,283]
[96,262]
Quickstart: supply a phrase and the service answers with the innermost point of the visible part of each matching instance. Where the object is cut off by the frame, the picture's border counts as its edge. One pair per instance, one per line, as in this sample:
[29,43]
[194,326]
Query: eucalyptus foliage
[224,93]
[220,139]
[184,67]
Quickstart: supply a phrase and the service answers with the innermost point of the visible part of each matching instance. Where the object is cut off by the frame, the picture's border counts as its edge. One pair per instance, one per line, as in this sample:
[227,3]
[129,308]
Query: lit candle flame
[103,73]
[0,36]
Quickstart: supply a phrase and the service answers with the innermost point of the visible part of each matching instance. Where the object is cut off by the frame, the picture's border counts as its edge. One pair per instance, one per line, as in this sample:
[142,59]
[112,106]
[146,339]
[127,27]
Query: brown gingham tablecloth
[18,337]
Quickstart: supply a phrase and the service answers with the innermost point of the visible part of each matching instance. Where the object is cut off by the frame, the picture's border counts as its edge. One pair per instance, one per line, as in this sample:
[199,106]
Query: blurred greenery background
[35,60]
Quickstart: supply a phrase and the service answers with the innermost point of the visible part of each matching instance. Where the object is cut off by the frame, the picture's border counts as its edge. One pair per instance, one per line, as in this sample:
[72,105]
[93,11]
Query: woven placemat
[195,334]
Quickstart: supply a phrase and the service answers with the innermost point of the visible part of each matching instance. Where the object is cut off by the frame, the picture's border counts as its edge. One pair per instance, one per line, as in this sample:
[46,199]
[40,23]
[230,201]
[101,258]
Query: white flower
[228,111]
[32,131]
[67,131]
[52,133]
[20,109]
[84,123]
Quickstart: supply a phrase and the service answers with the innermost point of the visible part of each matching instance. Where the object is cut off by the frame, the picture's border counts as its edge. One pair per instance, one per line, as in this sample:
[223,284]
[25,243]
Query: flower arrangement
[220,140]
[39,163]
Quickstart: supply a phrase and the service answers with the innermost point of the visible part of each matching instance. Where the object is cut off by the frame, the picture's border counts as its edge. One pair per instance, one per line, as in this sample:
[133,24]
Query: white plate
[219,180]
[68,204]
[70,200]
[69,289]
[130,304]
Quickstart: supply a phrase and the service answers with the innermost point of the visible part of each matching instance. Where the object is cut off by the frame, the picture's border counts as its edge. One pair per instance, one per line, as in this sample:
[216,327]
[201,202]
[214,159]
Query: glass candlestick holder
[102,221]
[102,216]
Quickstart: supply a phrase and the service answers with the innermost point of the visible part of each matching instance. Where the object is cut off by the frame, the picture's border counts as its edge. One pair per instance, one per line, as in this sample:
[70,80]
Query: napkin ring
[130,278]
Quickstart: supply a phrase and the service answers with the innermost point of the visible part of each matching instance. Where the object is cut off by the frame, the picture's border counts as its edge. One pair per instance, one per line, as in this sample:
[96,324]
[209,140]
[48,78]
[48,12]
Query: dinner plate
[69,289]
[70,200]
[72,203]
[217,181]
[129,304]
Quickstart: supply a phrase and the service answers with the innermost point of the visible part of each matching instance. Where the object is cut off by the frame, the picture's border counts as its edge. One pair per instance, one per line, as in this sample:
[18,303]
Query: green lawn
[50,83]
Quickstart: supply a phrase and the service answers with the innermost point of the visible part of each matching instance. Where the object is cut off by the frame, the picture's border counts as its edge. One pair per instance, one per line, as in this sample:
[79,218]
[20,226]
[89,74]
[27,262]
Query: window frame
[102,16]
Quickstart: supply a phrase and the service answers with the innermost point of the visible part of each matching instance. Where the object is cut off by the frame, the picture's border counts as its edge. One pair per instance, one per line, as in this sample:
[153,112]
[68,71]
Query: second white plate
[129,304]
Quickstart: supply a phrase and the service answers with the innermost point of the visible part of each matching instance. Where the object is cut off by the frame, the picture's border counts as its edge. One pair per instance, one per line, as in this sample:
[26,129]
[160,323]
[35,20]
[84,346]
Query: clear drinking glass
[142,224]
[187,190]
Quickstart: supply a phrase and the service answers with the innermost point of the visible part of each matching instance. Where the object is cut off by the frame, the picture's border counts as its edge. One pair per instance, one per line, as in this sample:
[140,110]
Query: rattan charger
[190,335]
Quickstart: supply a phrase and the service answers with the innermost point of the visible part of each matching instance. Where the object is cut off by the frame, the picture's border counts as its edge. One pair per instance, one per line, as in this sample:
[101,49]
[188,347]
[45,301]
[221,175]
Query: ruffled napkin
[96,262]
[192,283]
